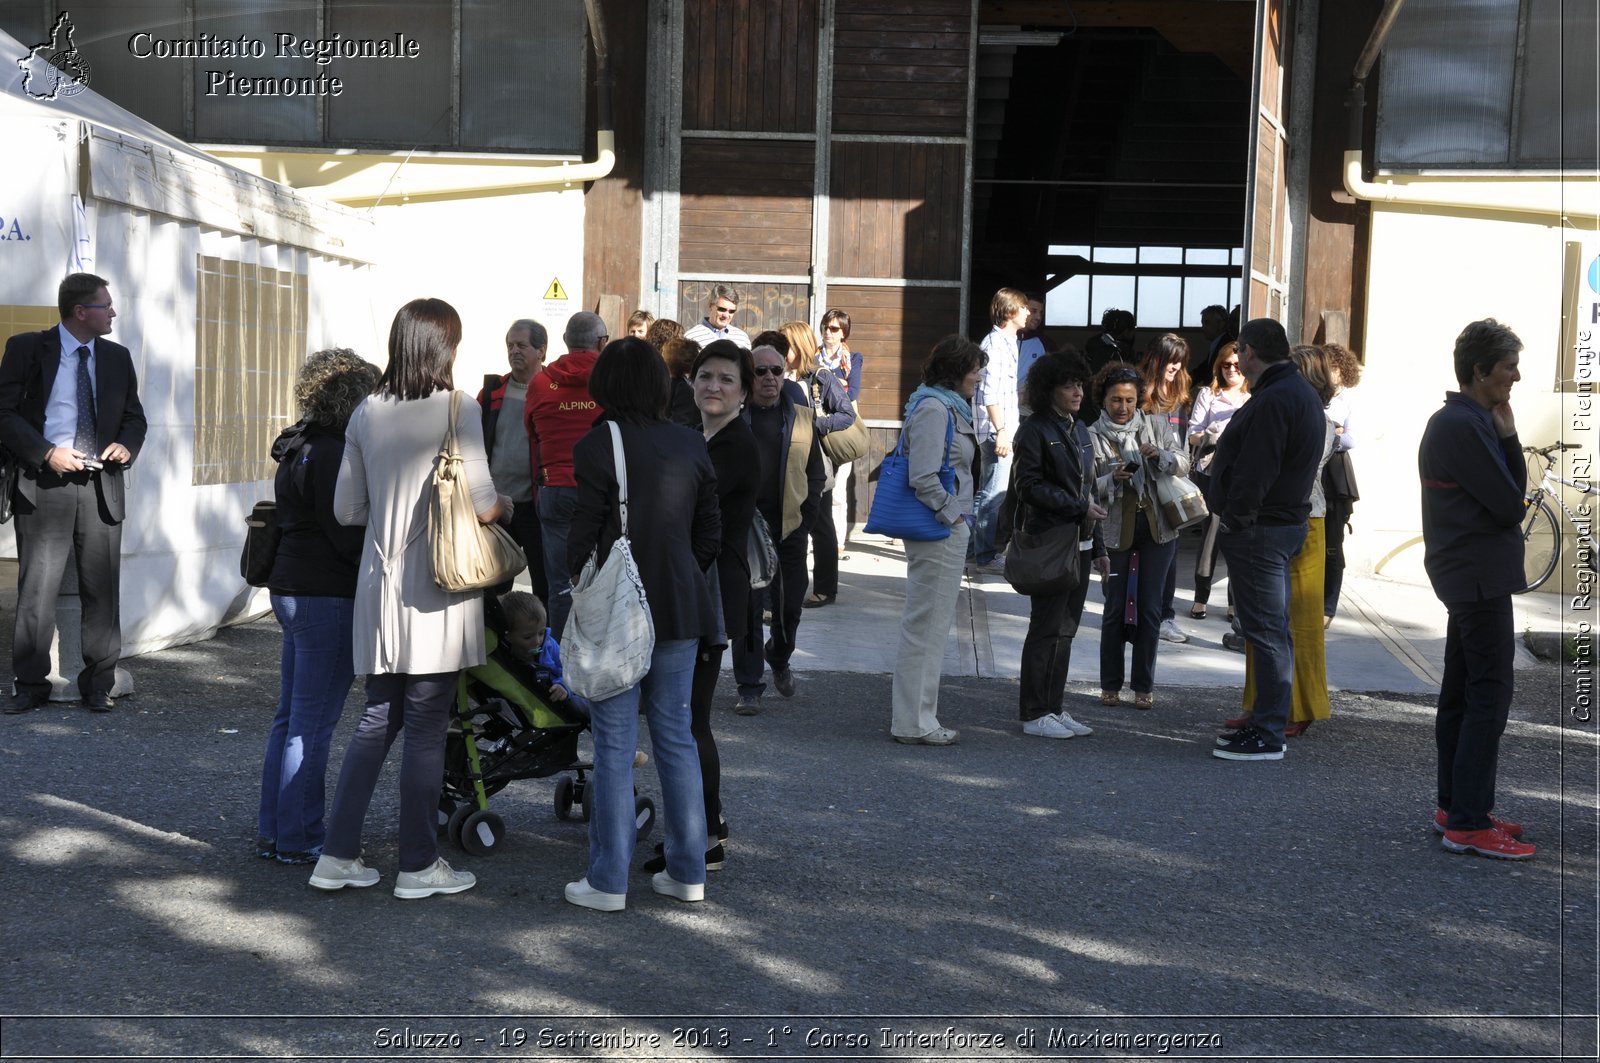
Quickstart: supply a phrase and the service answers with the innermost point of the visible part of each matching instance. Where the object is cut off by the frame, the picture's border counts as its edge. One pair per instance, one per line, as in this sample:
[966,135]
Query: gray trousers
[65,520]
[420,705]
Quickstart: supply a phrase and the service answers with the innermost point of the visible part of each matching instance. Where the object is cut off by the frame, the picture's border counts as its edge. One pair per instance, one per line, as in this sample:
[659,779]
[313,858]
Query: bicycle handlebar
[1545,452]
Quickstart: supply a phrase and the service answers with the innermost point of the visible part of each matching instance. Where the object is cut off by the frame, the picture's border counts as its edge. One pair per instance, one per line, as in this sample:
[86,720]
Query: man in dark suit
[70,416]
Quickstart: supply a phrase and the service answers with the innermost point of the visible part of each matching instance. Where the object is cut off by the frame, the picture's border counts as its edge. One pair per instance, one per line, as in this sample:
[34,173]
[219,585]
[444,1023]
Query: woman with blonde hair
[833,413]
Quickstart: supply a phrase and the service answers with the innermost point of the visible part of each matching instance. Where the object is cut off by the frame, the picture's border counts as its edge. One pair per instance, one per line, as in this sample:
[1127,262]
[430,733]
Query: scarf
[958,404]
[834,362]
[1125,438]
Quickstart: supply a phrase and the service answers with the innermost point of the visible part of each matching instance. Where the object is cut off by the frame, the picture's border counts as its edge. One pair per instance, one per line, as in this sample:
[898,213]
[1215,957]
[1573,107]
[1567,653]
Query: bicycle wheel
[1541,544]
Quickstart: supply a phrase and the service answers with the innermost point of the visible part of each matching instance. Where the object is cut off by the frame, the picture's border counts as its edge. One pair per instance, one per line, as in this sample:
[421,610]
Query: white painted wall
[1431,273]
[490,257]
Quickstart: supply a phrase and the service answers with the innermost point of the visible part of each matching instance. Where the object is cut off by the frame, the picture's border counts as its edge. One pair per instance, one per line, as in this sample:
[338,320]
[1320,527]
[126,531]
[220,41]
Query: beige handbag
[467,555]
[846,444]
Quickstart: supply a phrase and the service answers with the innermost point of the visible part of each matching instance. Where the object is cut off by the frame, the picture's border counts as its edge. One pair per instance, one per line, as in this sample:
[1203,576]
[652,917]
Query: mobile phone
[1131,466]
[93,463]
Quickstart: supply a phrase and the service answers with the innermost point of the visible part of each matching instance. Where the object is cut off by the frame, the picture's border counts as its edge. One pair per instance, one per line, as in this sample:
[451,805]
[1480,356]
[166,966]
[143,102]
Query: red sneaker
[1441,820]
[1490,842]
[1236,723]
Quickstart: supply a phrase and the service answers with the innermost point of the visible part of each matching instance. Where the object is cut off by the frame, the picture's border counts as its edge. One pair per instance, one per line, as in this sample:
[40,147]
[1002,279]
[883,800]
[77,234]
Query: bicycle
[1541,532]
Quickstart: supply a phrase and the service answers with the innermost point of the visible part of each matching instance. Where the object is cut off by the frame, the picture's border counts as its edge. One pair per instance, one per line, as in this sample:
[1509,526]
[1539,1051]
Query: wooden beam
[1225,28]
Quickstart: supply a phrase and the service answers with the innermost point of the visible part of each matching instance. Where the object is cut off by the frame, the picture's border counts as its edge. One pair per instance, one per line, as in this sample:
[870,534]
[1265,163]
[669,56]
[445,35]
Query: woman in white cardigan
[410,638]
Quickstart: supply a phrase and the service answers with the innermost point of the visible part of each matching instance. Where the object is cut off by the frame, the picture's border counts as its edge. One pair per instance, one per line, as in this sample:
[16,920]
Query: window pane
[1109,292]
[1558,113]
[1207,256]
[1068,303]
[1201,292]
[1116,254]
[1444,95]
[1158,302]
[1161,254]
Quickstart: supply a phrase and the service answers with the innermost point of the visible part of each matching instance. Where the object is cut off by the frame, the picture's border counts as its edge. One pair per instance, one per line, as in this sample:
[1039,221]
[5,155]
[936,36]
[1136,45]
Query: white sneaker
[1048,727]
[439,878]
[1079,729]
[1171,632]
[331,873]
[586,896]
[664,883]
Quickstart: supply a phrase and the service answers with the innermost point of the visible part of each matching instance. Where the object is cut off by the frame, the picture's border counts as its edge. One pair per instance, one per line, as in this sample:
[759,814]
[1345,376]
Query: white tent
[91,186]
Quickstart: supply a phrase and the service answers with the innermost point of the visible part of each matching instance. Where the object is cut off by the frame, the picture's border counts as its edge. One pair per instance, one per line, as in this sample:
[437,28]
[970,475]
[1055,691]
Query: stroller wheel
[585,809]
[458,821]
[564,798]
[447,808]
[482,833]
[644,816]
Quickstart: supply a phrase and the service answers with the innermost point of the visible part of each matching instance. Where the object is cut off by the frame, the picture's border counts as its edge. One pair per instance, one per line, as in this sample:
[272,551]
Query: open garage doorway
[1111,161]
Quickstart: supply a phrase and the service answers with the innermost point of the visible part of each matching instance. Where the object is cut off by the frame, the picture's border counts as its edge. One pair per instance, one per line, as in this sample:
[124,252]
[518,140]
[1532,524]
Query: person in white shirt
[996,408]
[718,322]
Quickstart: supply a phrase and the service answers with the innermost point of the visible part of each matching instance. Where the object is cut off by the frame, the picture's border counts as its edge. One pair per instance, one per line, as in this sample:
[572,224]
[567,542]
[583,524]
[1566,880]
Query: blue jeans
[1258,570]
[314,675]
[664,694]
[990,496]
[556,506]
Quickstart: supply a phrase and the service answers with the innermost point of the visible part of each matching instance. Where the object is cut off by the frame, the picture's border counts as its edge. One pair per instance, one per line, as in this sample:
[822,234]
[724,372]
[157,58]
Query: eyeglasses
[769,370]
[833,328]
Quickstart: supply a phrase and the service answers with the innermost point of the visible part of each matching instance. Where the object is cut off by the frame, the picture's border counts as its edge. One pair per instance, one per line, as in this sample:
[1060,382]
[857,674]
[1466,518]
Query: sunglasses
[833,328]
[769,370]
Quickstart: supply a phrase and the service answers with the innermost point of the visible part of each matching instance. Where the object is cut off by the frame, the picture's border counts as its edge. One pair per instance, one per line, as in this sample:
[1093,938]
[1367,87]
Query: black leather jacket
[1052,467]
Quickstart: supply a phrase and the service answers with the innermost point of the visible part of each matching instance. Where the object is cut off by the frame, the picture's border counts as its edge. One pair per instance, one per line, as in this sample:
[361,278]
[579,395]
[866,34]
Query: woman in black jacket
[313,586]
[722,375]
[1052,484]
[676,533]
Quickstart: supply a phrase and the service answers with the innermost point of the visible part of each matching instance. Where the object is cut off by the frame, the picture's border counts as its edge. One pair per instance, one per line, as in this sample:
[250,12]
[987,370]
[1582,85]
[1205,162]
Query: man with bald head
[559,413]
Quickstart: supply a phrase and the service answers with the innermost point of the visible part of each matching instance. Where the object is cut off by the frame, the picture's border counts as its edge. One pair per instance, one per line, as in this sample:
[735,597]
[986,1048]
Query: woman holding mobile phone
[1130,450]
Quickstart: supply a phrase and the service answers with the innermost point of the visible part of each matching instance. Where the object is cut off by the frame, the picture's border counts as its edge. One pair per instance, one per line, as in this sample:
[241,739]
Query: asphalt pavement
[1120,895]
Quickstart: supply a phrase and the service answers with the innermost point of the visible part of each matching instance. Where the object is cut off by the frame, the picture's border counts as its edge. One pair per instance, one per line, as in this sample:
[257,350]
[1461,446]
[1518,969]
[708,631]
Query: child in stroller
[515,719]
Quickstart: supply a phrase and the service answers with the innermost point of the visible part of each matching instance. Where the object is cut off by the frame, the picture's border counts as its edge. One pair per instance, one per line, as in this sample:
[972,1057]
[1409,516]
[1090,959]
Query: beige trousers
[933,584]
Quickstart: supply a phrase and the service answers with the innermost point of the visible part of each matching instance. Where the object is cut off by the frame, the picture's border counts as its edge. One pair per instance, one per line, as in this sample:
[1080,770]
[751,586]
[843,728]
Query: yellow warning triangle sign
[555,291]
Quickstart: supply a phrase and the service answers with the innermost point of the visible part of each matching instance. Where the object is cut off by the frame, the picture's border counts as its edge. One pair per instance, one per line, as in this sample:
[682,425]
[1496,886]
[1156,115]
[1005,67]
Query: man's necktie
[85,440]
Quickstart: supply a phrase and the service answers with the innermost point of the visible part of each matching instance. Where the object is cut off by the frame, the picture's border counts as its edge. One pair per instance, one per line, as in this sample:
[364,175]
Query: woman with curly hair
[1052,483]
[313,587]
[662,331]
